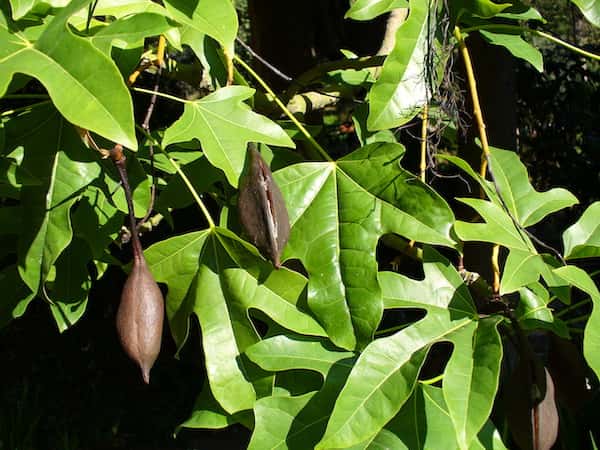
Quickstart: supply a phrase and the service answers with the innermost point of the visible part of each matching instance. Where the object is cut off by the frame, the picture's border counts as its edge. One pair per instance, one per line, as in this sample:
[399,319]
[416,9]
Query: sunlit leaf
[386,371]
[216,18]
[224,125]
[582,239]
[369,9]
[590,9]
[84,84]
[516,45]
[219,278]
[401,90]
[130,32]
[338,211]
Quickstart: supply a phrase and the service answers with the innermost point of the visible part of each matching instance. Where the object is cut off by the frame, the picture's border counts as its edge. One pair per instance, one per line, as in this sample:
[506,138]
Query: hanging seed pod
[262,209]
[141,311]
[140,317]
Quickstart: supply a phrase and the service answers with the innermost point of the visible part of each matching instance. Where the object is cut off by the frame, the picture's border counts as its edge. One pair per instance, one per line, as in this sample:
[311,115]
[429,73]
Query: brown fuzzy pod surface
[140,317]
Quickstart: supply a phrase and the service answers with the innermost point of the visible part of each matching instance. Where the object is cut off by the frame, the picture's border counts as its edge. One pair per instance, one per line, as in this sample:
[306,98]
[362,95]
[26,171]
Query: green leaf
[71,286]
[401,90]
[55,155]
[423,422]
[369,9]
[21,7]
[16,296]
[517,46]
[497,229]
[207,413]
[84,84]
[471,378]
[527,205]
[130,32]
[533,311]
[97,221]
[297,422]
[219,278]
[284,353]
[521,12]
[591,338]
[386,371]
[582,239]
[520,269]
[217,18]
[484,9]
[590,9]
[338,211]
[224,125]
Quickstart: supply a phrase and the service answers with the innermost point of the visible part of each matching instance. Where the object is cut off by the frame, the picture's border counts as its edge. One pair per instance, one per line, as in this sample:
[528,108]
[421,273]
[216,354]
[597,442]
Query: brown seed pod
[140,317]
[141,311]
[262,209]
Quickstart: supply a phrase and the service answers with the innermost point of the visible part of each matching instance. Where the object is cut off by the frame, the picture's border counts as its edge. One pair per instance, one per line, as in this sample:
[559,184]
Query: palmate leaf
[218,277]
[216,18]
[582,239]
[369,9]
[591,338]
[224,125]
[386,372]
[297,422]
[84,84]
[424,422]
[338,211]
[130,32]
[55,155]
[526,207]
[401,90]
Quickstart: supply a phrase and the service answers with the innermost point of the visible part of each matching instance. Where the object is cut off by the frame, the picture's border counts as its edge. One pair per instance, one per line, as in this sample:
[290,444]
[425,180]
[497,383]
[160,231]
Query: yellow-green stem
[423,164]
[229,65]
[285,110]
[482,136]
[475,99]
[185,179]
[160,94]
[433,380]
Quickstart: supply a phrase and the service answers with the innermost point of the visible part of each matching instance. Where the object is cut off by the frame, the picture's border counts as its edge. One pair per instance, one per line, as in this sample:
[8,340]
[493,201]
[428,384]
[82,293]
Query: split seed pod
[140,316]
[262,209]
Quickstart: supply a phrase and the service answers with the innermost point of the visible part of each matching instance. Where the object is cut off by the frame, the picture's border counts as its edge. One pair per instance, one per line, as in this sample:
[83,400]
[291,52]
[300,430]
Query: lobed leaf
[338,211]
[224,125]
[219,278]
[84,84]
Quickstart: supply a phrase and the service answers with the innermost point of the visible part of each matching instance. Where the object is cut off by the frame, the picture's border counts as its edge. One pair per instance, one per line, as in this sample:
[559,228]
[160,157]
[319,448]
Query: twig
[263,61]
[285,110]
[146,127]
[185,179]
